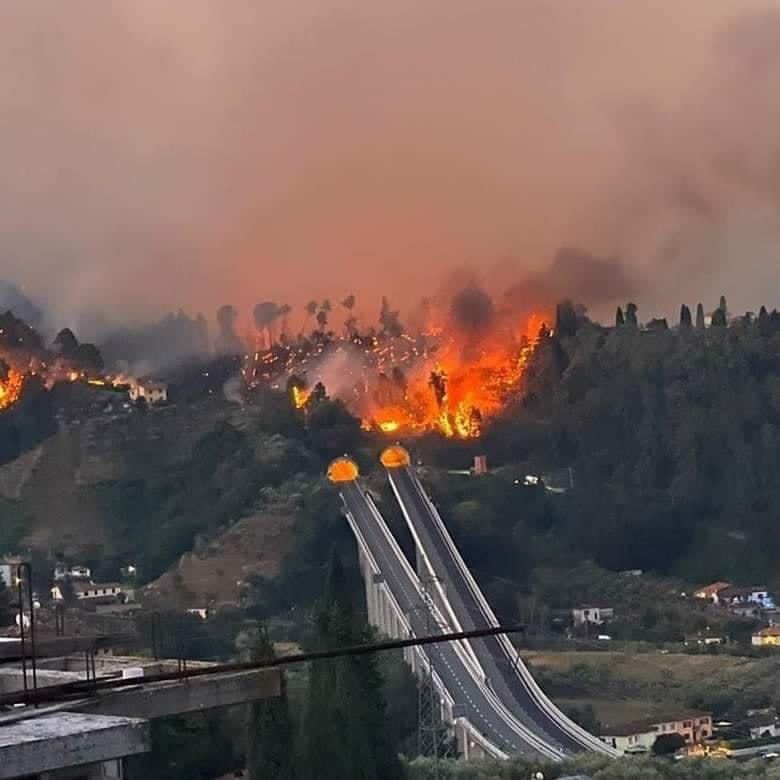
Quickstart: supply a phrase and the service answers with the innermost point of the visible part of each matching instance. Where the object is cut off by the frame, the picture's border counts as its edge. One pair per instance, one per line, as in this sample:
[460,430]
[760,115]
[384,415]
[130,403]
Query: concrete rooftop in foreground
[66,739]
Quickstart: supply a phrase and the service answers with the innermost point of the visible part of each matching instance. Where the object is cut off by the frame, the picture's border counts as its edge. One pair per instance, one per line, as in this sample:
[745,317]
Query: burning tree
[450,378]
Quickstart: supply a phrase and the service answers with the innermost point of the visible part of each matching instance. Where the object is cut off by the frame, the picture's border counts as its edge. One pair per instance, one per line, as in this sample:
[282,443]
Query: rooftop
[84,586]
[55,741]
[739,590]
[646,724]
[711,590]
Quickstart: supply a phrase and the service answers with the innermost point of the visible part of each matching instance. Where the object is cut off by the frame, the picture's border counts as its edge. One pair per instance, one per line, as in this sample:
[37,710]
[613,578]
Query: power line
[80,688]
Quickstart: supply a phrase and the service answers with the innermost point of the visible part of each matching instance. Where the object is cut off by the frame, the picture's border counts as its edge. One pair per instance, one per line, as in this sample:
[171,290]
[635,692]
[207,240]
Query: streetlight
[20,569]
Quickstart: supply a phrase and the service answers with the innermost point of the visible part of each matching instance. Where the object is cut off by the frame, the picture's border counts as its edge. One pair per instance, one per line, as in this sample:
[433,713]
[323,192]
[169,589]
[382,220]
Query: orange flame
[467,384]
[442,380]
[11,389]
[300,396]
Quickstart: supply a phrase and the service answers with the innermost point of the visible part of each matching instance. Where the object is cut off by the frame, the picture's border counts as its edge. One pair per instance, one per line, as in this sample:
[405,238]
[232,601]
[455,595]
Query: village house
[762,725]
[710,592]
[63,572]
[8,567]
[735,597]
[703,640]
[747,601]
[596,616]
[91,593]
[152,392]
[766,637]
[640,736]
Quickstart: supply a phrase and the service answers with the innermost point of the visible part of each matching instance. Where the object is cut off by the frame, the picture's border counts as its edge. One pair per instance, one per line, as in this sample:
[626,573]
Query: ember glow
[446,379]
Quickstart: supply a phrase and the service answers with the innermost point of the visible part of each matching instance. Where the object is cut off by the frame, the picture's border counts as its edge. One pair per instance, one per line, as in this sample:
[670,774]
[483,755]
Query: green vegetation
[344,731]
[623,686]
[192,747]
[270,732]
[672,437]
[12,525]
[598,768]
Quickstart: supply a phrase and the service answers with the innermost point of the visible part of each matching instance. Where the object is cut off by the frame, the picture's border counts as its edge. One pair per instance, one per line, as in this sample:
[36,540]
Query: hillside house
[766,637]
[92,592]
[762,726]
[639,736]
[63,572]
[711,592]
[596,616]
[741,600]
[736,598]
[152,392]
[703,640]
[8,567]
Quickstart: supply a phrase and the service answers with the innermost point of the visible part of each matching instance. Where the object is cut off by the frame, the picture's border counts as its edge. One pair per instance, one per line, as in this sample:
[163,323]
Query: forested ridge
[671,435]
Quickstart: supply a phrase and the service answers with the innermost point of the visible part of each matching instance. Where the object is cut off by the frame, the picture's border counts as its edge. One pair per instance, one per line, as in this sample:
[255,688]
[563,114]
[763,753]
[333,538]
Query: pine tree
[565,319]
[718,318]
[699,317]
[685,318]
[620,320]
[269,750]
[344,730]
[631,318]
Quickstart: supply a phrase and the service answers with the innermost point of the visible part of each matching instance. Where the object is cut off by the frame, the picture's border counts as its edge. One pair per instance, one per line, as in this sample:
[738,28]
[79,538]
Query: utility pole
[431,733]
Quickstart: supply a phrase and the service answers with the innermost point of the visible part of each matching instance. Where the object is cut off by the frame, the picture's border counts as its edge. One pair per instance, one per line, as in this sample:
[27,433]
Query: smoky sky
[195,153]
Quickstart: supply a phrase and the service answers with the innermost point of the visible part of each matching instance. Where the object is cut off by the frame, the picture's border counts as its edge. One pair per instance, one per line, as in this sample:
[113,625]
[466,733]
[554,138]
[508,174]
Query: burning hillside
[459,369]
[23,355]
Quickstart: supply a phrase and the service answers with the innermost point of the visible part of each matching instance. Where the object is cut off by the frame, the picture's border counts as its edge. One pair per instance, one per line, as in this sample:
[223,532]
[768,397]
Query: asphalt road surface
[468,694]
[503,678]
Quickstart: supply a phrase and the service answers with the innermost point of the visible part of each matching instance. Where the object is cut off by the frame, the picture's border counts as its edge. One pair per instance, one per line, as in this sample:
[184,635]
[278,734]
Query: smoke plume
[196,154]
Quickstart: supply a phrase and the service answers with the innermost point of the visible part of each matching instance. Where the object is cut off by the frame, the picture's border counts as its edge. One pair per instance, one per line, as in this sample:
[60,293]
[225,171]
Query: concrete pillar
[462,741]
[386,615]
[410,656]
[377,598]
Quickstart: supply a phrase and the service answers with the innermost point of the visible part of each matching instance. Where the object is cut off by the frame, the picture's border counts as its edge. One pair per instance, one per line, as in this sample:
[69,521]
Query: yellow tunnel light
[343,469]
[395,457]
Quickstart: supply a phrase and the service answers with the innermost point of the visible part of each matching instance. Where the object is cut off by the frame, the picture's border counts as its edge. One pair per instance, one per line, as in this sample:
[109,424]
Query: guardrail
[573,730]
[466,656]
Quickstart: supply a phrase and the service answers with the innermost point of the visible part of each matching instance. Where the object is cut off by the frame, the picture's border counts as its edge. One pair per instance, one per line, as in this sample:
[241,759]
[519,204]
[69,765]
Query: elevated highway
[400,607]
[505,671]
[485,688]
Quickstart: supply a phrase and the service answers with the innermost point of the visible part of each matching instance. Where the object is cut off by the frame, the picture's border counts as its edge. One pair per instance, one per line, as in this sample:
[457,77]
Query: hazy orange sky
[195,152]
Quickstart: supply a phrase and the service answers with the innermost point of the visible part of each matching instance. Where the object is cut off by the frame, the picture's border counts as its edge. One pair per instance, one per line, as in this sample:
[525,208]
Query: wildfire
[10,389]
[444,379]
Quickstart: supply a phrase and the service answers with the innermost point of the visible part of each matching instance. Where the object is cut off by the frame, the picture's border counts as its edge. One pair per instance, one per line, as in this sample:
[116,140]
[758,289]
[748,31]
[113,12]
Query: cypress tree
[685,318]
[763,322]
[631,315]
[699,317]
[620,320]
[269,751]
[344,730]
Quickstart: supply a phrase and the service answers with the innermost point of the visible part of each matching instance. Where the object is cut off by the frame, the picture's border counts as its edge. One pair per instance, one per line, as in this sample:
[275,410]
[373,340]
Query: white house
[62,572]
[594,615]
[91,592]
[762,726]
[8,567]
[151,392]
